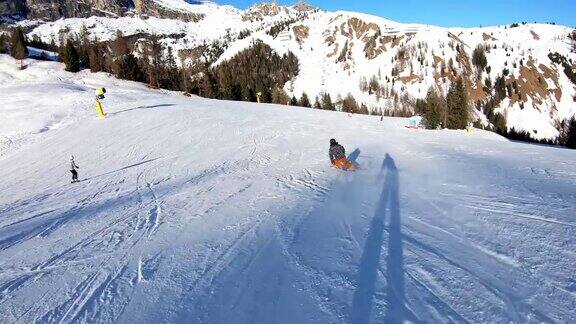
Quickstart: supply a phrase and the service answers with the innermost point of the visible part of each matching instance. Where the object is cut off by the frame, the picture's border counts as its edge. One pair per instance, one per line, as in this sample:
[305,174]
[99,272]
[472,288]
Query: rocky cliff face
[56,9]
[152,8]
[11,7]
[51,10]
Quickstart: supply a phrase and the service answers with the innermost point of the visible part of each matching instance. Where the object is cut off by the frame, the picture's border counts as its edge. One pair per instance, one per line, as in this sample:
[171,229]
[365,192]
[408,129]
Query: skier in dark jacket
[338,158]
[336,151]
[73,168]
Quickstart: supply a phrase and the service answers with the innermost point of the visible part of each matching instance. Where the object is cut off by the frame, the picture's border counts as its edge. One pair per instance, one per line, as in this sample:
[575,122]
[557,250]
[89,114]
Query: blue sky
[450,13]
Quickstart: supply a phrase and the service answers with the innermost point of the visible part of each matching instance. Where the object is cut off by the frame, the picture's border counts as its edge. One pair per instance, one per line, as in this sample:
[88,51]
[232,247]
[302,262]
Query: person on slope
[73,168]
[338,157]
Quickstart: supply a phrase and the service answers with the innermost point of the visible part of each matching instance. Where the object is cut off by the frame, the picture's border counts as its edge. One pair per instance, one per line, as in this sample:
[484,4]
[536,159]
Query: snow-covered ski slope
[203,211]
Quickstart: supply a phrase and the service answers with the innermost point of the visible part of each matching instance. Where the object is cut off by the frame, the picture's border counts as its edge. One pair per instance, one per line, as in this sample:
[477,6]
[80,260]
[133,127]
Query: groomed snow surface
[204,211]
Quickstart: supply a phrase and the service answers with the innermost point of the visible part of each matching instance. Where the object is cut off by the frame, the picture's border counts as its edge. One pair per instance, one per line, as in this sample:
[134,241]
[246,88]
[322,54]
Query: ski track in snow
[194,210]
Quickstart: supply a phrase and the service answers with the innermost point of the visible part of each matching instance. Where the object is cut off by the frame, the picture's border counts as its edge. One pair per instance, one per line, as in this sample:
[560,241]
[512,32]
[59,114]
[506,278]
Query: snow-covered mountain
[345,52]
[193,210]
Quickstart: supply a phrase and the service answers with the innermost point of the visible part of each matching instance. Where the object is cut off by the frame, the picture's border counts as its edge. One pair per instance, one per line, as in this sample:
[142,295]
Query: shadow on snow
[140,108]
[121,169]
[369,263]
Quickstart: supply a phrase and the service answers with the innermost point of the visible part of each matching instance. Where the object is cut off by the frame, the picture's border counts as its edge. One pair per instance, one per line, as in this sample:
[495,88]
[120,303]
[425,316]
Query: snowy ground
[195,210]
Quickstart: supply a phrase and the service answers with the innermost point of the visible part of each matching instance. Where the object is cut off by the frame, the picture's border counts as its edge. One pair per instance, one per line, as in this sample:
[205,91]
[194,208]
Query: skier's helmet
[333,142]
[71,157]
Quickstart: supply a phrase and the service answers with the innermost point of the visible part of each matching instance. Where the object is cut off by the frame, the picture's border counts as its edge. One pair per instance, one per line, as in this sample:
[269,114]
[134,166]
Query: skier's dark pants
[74,175]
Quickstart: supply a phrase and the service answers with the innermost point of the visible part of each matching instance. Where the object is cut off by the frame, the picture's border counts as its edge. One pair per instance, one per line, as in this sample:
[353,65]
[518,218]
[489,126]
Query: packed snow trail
[195,210]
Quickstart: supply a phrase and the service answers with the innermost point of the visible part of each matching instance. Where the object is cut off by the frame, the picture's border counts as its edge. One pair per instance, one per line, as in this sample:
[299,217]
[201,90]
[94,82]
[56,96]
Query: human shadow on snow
[366,277]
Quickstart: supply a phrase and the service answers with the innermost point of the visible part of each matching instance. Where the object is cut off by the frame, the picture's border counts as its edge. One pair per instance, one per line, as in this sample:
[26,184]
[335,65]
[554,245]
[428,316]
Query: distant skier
[73,168]
[338,157]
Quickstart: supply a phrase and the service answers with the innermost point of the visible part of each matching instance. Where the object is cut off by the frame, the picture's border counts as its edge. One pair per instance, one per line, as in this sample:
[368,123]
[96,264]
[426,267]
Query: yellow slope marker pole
[99,109]
[259,97]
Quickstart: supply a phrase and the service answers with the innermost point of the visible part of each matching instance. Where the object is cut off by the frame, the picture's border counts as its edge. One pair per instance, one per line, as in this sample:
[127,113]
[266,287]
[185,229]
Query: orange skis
[344,164]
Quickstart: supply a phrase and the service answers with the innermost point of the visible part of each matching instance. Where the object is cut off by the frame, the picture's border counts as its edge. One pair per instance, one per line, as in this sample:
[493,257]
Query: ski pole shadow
[366,276]
[140,108]
[121,169]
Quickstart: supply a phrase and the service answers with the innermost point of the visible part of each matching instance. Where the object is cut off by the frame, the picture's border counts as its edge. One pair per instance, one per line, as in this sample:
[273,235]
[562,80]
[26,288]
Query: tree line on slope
[566,65]
[255,70]
[439,111]
[258,69]
[502,89]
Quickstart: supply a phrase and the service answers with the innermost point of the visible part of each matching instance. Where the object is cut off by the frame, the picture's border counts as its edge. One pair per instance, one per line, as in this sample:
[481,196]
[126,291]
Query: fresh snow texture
[204,211]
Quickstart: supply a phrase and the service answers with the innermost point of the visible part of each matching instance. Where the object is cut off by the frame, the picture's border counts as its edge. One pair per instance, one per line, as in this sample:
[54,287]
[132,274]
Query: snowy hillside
[340,51]
[195,210]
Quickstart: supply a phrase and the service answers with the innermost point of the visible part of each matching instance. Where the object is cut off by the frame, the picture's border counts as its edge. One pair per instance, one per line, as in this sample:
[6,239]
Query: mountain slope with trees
[514,78]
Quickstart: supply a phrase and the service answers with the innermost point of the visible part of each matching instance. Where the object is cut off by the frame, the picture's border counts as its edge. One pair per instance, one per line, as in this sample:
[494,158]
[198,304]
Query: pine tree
[129,68]
[349,104]
[457,102]
[206,85]
[170,76]
[247,94]
[229,89]
[19,50]
[293,101]
[144,63]
[53,46]
[432,108]
[479,59]
[373,86]
[84,50]
[499,122]
[317,104]
[280,97]
[364,109]
[488,84]
[95,58]
[170,61]
[500,88]
[338,101]
[62,37]
[119,50]
[327,102]
[567,129]
[70,57]
[185,71]
[304,101]
[2,44]
[571,136]
[155,52]
[443,68]
[120,46]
